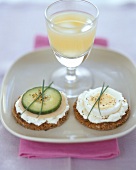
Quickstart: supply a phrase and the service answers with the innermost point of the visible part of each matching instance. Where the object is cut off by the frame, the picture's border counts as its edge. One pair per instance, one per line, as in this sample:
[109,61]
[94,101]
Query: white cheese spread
[49,118]
[112,105]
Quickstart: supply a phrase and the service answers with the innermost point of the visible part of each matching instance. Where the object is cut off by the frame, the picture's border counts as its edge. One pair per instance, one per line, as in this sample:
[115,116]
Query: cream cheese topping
[112,105]
[49,118]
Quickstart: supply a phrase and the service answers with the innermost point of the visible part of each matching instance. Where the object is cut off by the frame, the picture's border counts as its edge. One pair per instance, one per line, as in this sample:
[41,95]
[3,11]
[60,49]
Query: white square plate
[106,65]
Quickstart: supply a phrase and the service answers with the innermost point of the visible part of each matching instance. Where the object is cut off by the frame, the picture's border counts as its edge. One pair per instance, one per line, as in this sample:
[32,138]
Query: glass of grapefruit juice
[71,28]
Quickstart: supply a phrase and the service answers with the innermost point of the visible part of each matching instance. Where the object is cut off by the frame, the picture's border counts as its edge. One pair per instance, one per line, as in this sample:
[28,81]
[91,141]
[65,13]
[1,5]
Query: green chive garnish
[98,99]
[42,98]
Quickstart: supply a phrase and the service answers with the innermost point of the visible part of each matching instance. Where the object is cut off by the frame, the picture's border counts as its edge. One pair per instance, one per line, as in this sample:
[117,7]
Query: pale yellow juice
[72,33]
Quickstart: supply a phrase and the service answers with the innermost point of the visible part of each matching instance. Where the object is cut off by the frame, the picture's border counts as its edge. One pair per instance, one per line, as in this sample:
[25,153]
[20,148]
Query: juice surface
[72,33]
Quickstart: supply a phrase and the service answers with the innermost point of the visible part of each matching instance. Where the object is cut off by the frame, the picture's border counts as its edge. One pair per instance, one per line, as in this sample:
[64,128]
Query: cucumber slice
[52,100]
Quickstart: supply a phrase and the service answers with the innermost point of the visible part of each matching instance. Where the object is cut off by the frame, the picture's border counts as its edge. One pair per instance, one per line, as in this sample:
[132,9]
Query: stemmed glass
[71,27]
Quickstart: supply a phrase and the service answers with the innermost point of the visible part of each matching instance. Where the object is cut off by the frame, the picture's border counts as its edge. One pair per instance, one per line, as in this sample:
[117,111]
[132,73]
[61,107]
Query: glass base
[84,81]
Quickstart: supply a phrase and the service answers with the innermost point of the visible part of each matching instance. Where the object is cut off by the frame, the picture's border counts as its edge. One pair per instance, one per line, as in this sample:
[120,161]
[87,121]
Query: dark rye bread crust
[100,126]
[44,126]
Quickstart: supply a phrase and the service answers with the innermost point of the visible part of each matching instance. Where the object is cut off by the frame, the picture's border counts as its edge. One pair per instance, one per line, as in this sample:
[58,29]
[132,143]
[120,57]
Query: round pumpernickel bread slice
[100,126]
[44,126]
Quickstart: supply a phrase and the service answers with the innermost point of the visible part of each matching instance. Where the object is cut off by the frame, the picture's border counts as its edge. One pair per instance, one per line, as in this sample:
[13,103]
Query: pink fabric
[96,150]
[91,150]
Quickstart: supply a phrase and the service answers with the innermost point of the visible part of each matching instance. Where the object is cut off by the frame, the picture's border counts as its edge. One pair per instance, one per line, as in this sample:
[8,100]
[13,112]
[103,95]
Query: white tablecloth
[19,24]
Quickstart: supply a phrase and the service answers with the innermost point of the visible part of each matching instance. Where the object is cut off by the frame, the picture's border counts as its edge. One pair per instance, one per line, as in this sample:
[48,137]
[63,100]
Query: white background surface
[95,1]
[19,24]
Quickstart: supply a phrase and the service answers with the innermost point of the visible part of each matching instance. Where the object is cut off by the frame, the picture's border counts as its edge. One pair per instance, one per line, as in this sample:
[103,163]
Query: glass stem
[71,75]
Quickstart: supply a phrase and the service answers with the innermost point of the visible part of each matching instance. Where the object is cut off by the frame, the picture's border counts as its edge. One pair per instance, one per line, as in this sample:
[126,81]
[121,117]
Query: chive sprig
[98,99]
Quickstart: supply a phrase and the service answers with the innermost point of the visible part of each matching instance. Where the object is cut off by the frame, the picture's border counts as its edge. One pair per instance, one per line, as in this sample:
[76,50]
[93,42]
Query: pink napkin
[91,150]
